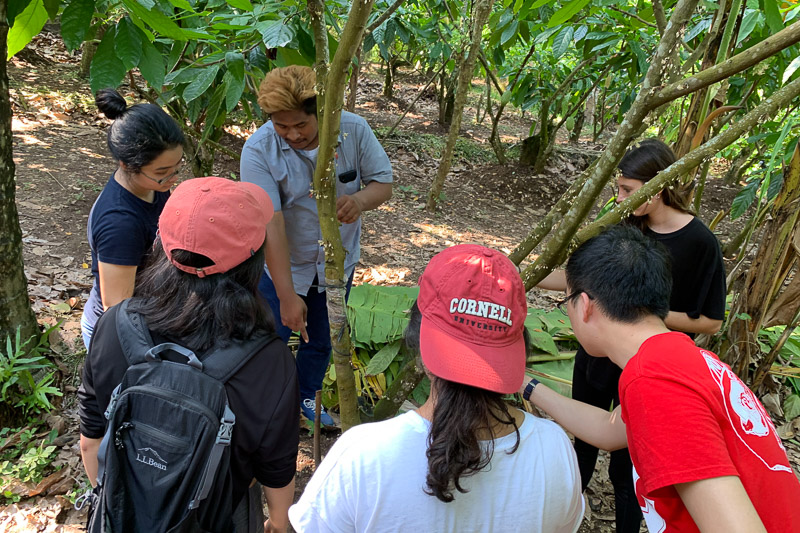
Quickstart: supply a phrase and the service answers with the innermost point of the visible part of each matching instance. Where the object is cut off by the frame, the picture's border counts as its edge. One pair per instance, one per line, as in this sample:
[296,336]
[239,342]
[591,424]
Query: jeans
[87,330]
[601,392]
[312,357]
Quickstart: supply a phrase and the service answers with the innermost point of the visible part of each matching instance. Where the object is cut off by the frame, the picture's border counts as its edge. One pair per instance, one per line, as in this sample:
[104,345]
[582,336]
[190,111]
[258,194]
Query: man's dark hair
[461,417]
[628,274]
[202,313]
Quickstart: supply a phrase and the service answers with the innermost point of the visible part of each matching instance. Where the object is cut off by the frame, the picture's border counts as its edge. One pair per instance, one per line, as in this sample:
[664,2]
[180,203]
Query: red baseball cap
[221,219]
[473,307]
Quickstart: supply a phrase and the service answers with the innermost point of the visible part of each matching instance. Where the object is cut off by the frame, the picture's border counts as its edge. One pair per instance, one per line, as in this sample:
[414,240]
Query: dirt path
[63,163]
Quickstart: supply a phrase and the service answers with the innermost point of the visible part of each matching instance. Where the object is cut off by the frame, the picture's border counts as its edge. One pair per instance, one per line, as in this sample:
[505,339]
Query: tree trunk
[575,135]
[480,12]
[89,47]
[330,97]
[15,307]
[388,82]
[404,384]
[766,282]
[353,84]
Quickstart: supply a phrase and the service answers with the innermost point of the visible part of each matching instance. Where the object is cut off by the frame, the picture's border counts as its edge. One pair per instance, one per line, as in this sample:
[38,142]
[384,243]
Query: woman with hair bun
[148,146]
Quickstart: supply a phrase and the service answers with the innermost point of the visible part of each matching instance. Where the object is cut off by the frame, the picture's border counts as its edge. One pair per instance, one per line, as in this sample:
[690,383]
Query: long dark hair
[462,413]
[139,133]
[202,313]
[643,162]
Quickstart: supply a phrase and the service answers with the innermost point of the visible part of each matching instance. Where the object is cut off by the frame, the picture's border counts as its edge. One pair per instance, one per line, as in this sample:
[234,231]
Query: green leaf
[744,199]
[381,360]
[542,37]
[580,33]
[773,16]
[276,34]
[234,78]
[182,4]
[378,315]
[561,41]
[791,68]
[106,70]
[213,110]
[509,32]
[52,7]
[749,21]
[27,25]
[244,5]
[76,21]
[567,12]
[161,23]
[152,65]
[128,43]
[698,28]
[543,341]
[201,83]
[15,7]
[791,407]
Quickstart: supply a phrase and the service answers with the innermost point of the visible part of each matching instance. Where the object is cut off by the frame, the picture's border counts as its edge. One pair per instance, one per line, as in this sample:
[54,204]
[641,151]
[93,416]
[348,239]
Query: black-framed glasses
[562,304]
[168,177]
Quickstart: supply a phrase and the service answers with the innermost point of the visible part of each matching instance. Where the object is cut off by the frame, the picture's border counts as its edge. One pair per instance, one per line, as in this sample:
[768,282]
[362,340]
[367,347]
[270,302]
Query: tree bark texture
[480,13]
[15,307]
[404,384]
[331,81]
[766,293]
[557,246]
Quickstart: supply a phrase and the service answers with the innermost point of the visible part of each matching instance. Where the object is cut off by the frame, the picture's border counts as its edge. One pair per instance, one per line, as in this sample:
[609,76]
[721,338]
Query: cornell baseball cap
[473,307]
[221,219]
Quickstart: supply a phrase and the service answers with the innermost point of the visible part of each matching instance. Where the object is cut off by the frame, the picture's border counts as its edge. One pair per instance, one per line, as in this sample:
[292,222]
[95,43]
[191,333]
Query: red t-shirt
[689,418]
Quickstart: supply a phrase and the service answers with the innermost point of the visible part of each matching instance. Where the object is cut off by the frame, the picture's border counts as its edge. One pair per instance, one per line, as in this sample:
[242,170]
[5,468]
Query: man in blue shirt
[281,157]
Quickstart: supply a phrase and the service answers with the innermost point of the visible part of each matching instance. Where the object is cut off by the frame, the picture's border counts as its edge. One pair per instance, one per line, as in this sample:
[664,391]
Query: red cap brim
[495,368]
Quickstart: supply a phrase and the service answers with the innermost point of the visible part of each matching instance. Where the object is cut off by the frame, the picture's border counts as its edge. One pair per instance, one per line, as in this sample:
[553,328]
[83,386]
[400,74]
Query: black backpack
[163,465]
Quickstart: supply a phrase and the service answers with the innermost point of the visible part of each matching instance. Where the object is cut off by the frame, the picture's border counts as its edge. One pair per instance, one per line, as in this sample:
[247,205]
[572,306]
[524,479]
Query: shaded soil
[63,163]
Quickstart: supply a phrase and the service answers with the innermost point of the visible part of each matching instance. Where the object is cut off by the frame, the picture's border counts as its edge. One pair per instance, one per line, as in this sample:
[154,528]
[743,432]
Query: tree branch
[637,17]
[385,15]
[741,61]
[687,163]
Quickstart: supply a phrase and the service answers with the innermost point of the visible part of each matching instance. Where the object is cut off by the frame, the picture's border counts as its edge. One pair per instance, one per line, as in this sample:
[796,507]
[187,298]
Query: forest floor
[62,163]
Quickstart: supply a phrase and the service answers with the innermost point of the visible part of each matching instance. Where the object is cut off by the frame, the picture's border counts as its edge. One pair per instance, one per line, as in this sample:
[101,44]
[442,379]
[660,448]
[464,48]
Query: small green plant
[27,385]
[28,467]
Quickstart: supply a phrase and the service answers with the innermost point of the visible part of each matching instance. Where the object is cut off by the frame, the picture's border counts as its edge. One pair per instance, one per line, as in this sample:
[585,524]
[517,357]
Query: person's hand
[293,314]
[348,209]
[269,527]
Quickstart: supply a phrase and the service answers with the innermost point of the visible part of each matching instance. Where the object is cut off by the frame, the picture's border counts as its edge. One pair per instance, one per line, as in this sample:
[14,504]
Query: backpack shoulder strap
[134,336]
[223,363]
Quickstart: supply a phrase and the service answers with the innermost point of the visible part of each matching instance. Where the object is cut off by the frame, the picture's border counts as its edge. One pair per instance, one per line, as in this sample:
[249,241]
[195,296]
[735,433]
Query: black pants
[596,381]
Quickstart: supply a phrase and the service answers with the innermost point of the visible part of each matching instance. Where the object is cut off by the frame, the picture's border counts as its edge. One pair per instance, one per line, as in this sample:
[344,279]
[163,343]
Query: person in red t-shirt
[706,456]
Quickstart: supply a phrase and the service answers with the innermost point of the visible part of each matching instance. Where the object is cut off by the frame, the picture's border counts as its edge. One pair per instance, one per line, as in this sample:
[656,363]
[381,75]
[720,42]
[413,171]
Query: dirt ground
[62,164]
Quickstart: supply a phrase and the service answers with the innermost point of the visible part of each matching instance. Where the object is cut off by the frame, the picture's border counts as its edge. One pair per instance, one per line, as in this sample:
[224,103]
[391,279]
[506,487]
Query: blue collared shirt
[287,174]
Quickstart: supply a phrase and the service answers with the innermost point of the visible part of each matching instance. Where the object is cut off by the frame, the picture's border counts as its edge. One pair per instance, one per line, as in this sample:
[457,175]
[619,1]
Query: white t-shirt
[373,480]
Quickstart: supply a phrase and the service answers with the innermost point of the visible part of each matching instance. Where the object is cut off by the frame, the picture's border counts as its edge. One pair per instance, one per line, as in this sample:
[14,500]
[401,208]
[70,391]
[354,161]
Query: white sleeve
[326,505]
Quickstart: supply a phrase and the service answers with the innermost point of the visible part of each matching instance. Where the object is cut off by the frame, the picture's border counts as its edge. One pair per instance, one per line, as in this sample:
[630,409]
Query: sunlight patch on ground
[30,139]
[90,153]
[381,275]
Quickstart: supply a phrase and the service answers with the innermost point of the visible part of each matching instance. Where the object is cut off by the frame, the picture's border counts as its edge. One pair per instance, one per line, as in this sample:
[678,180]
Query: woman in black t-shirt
[697,303]
[148,147]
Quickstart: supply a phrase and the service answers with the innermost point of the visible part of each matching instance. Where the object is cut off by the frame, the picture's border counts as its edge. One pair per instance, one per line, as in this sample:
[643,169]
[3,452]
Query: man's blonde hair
[288,89]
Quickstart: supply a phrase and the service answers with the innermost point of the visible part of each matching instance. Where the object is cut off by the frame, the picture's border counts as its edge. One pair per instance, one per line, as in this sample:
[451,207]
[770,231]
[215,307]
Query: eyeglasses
[562,304]
[168,177]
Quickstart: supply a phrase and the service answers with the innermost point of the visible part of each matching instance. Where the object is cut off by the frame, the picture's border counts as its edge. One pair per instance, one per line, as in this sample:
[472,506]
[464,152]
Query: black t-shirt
[121,231]
[698,288]
[264,396]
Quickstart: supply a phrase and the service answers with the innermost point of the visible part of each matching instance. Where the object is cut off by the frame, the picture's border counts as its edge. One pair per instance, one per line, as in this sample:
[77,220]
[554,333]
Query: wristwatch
[529,389]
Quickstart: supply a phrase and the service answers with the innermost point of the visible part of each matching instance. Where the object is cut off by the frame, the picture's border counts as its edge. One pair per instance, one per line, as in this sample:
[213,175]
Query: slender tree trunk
[15,307]
[766,281]
[331,80]
[353,84]
[480,12]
